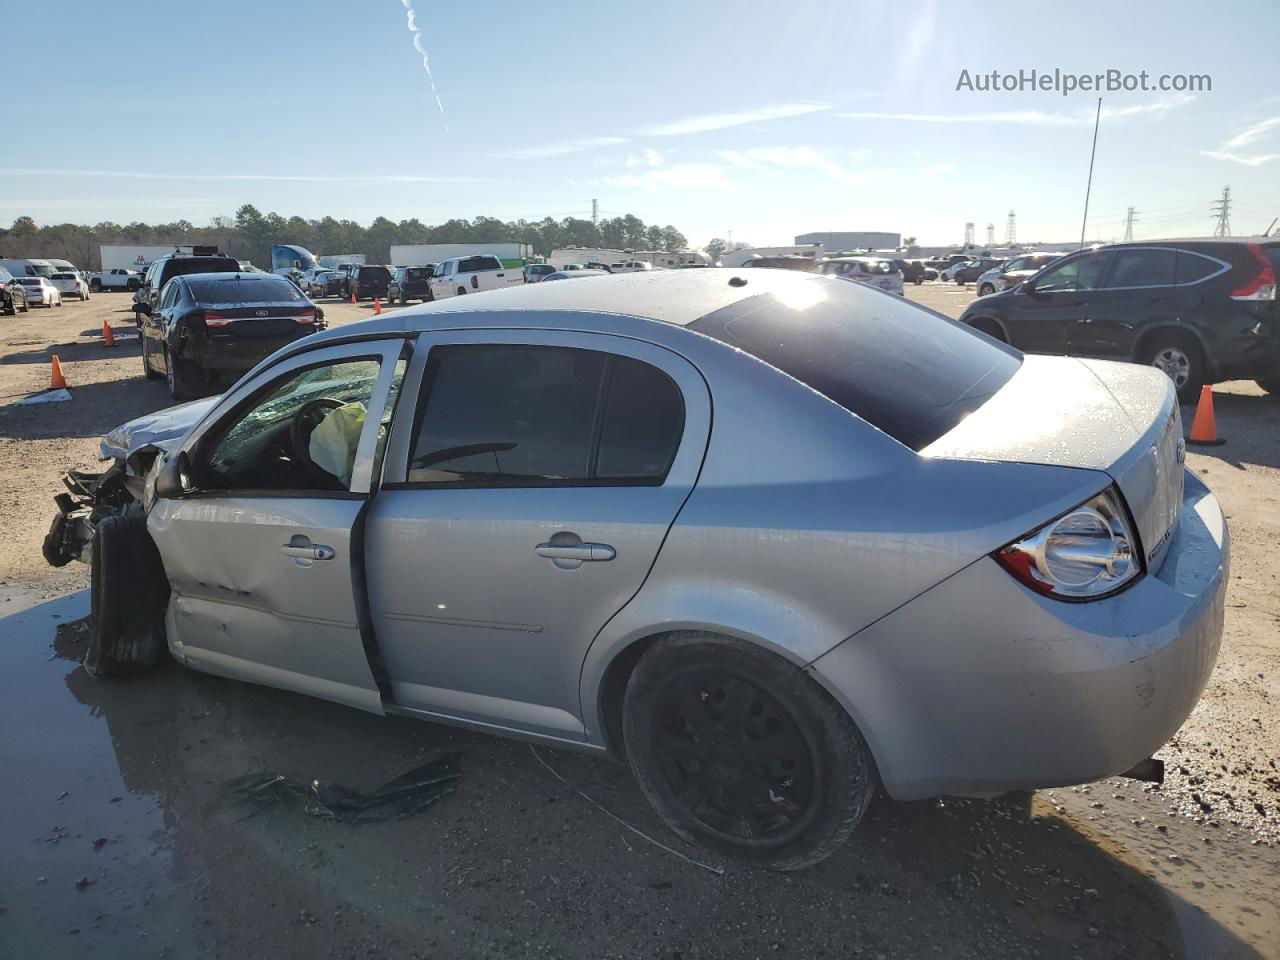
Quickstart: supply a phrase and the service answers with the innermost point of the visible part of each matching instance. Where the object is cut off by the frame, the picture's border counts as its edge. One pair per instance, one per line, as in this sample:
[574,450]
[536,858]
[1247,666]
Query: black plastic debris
[406,795]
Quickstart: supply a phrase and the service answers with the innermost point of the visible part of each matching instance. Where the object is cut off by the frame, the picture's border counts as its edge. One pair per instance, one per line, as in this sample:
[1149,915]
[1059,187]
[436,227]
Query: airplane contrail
[412,21]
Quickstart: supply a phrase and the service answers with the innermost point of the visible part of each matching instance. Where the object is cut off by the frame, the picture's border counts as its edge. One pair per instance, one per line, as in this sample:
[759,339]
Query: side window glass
[302,435]
[507,415]
[642,424]
[1192,268]
[1083,273]
[1142,268]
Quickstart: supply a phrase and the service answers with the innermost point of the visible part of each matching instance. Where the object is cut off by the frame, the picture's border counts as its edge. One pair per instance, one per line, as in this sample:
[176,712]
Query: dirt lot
[121,840]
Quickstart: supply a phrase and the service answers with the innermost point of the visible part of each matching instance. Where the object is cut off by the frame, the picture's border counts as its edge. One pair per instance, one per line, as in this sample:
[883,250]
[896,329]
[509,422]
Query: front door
[259,552]
[521,511]
[1039,322]
[1138,290]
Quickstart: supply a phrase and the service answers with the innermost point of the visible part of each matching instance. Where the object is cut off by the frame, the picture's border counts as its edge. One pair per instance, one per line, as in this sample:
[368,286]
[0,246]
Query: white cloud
[561,148]
[774,160]
[230,177]
[1261,130]
[720,121]
[687,176]
[1248,160]
[934,169]
[645,158]
[1030,118]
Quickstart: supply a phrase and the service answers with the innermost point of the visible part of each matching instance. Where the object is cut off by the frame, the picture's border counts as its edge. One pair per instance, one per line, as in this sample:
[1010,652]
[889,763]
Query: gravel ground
[121,841]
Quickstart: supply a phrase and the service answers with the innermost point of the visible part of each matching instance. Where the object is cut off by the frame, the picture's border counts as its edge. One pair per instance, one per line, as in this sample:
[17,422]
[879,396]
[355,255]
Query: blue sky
[763,119]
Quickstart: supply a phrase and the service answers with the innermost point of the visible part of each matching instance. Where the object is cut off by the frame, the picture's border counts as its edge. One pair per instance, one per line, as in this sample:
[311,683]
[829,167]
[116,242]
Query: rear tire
[1181,358]
[128,596]
[95,285]
[989,327]
[742,752]
[986,290]
[182,382]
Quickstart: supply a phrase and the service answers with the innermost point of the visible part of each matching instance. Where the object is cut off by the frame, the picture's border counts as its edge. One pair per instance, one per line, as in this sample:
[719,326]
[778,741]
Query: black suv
[1201,310]
[368,280]
[13,297]
[213,327]
[411,283]
[202,260]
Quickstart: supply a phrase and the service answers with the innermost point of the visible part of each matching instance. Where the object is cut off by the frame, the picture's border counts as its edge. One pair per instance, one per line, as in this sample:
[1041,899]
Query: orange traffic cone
[377,305]
[353,296]
[107,335]
[1204,429]
[56,380]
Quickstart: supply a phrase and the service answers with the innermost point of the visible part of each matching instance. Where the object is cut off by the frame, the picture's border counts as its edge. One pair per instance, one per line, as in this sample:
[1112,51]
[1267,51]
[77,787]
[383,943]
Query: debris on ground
[406,795]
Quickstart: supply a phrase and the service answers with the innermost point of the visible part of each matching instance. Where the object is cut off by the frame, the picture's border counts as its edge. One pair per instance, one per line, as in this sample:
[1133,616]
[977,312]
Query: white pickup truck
[471,275]
[117,279]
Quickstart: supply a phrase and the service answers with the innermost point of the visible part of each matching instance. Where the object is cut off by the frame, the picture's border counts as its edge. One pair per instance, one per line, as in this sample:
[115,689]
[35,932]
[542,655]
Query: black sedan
[212,327]
[1201,310]
[411,283]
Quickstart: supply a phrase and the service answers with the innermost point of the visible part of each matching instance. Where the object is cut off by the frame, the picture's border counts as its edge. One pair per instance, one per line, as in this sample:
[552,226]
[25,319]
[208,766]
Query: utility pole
[1129,219]
[1011,230]
[1223,209]
[968,235]
[991,235]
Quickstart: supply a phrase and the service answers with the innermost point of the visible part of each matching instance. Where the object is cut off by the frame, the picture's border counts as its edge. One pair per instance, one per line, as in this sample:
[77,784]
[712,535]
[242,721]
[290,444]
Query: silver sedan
[773,538]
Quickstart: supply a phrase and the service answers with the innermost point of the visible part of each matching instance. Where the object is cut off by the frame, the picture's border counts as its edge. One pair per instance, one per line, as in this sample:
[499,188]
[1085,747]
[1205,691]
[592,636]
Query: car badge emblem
[260,313]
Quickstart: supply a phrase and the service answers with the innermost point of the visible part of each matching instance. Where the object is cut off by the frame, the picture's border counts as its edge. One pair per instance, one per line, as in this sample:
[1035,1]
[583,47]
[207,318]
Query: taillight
[215,319]
[475,282]
[1263,285]
[1085,554]
[305,316]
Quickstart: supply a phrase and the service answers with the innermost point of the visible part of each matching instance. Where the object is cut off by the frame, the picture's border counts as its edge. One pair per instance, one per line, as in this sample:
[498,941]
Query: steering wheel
[305,419]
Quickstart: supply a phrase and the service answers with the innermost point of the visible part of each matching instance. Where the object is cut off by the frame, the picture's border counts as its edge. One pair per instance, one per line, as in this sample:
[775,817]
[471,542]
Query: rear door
[1038,319]
[521,508]
[259,554]
[1138,292]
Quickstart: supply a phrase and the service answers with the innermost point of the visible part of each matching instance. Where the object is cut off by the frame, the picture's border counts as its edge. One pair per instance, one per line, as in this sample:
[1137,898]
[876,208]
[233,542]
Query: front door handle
[582,552]
[302,550]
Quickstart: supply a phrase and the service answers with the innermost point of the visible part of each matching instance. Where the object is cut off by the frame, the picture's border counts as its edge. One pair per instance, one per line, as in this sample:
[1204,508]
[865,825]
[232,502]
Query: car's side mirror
[174,479]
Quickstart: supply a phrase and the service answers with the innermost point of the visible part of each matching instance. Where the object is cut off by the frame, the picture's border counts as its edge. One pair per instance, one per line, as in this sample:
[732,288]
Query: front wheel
[95,286]
[741,751]
[986,290]
[1181,359]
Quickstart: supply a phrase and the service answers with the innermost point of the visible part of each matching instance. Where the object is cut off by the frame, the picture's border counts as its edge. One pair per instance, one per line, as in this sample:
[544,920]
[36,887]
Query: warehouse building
[853,240]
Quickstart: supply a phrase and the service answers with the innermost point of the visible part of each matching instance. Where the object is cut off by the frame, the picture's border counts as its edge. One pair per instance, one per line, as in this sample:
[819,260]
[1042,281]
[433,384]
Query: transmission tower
[968,234]
[991,234]
[1223,209]
[1130,219]
[1011,230]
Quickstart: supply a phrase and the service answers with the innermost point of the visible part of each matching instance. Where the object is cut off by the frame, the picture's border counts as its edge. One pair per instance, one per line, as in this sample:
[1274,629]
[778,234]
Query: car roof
[677,297]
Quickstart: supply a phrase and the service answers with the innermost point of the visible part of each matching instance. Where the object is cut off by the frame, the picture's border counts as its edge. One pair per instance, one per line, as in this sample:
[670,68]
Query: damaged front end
[134,449]
[102,521]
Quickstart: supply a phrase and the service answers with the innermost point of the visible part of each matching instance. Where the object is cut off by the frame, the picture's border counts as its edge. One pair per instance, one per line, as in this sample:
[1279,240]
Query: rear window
[256,289]
[373,273]
[910,372]
[64,276]
[418,273]
[474,264]
[184,266]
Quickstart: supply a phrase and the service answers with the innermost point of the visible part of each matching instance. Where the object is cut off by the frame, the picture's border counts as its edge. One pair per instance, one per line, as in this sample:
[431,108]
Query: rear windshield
[473,264]
[373,273]
[418,273]
[64,276]
[911,372]
[182,266]
[245,290]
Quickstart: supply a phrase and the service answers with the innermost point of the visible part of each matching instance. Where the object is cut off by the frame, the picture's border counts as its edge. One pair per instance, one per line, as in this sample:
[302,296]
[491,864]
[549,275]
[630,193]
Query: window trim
[386,352]
[686,459]
[593,451]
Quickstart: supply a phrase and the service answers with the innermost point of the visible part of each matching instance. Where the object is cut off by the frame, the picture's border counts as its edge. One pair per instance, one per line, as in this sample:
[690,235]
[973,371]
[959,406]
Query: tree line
[250,233]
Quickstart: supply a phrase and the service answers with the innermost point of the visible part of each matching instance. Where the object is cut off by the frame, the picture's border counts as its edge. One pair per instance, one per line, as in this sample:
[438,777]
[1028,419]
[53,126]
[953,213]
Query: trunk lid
[1120,418]
[270,318]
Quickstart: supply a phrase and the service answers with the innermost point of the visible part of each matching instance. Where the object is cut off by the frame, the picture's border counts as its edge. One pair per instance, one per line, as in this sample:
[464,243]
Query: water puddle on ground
[117,842]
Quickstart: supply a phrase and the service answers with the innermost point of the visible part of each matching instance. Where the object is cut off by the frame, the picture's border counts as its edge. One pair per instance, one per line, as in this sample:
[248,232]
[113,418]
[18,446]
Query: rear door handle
[582,552]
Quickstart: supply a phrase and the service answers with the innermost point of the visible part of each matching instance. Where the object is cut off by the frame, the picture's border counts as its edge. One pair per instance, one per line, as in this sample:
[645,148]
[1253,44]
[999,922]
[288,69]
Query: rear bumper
[980,686]
[237,353]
